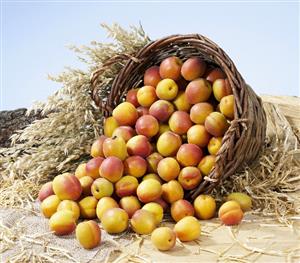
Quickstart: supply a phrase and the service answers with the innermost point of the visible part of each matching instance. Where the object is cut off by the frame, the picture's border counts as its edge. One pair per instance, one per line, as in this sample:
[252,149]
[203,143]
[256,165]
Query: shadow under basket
[243,140]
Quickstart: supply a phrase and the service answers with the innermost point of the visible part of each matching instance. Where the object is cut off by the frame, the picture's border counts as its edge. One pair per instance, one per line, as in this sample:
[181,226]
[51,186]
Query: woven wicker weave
[243,140]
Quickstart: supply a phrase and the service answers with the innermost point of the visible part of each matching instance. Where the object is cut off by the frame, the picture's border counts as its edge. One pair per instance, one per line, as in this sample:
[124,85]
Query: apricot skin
[143,222]
[62,223]
[205,207]
[230,213]
[88,234]
[180,209]
[163,238]
[188,229]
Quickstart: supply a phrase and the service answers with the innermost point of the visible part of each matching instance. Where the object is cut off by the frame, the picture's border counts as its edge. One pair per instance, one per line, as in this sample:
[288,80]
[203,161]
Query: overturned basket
[243,140]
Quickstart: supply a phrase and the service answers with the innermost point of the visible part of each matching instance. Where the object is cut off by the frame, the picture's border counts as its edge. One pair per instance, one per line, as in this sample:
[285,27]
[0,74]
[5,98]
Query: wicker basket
[243,140]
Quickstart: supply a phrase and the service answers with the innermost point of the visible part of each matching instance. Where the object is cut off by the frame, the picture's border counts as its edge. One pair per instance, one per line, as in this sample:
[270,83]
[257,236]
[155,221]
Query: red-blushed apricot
[142,111]
[161,110]
[102,187]
[156,209]
[125,114]
[200,111]
[130,204]
[152,161]
[167,89]
[87,207]
[49,205]
[143,222]
[70,206]
[189,154]
[86,184]
[146,96]
[205,207]
[97,147]
[189,177]
[112,169]
[147,125]
[115,146]
[181,102]
[109,125]
[198,90]
[139,145]
[92,167]
[114,220]
[104,204]
[88,234]
[168,169]
[227,106]
[244,200]
[67,187]
[163,238]
[152,76]
[62,223]
[188,229]
[216,124]
[126,186]
[162,203]
[215,74]
[168,143]
[135,165]
[180,209]
[221,88]
[180,122]
[198,135]
[125,132]
[214,145]
[149,190]
[131,97]
[193,68]
[172,191]
[45,191]
[231,213]
[80,170]
[207,164]
[170,68]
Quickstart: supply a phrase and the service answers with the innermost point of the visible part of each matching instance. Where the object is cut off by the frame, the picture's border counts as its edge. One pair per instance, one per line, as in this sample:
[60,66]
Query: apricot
[87,207]
[167,89]
[80,170]
[131,97]
[207,164]
[49,205]
[70,206]
[189,177]
[114,220]
[86,184]
[156,209]
[135,166]
[125,114]
[67,187]
[130,204]
[198,135]
[149,190]
[189,154]
[112,169]
[110,124]
[163,238]
[147,125]
[162,203]
[142,111]
[92,167]
[97,147]
[193,68]
[214,145]
[45,191]
[62,223]
[88,234]
[180,122]
[168,168]
[146,96]
[152,176]
[198,90]
[126,186]
[244,200]
[230,213]
[227,106]
[188,229]
[139,145]
[205,207]
[115,146]
[215,74]
[180,209]
[102,187]
[104,204]
[143,222]
[181,103]
[161,110]
[221,88]
[152,161]
[151,76]
[125,132]
[168,143]
[163,128]
[170,68]
[172,191]
[216,124]
[200,111]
